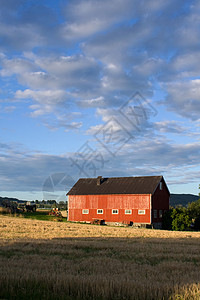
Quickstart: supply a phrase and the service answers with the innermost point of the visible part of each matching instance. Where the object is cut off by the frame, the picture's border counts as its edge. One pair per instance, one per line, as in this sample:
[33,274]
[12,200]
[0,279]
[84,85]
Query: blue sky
[92,88]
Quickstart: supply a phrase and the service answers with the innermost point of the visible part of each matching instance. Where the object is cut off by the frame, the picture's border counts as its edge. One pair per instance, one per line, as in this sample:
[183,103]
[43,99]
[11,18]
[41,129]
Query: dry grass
[48,260]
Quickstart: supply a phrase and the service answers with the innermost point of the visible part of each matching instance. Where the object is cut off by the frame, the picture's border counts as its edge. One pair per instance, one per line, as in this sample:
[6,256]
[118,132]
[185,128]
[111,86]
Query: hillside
[11,199]
[182,199]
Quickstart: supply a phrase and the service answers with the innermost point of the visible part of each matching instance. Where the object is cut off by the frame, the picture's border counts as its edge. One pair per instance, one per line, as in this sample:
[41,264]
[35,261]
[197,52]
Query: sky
[98,88]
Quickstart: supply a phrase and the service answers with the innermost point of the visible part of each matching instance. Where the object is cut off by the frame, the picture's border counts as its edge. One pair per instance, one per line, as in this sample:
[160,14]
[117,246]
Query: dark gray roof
[116,185]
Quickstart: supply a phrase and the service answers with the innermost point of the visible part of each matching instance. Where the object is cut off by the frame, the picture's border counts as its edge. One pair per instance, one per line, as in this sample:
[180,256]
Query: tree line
[183,218]
[51,204]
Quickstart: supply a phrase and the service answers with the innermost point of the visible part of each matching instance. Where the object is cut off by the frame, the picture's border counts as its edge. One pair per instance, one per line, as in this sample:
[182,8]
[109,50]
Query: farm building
[140,201]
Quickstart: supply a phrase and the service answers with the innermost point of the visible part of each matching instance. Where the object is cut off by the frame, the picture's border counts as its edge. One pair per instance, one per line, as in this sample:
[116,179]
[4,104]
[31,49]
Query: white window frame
[85,211]
[155,213]
[161,186]
[128,211]
[160,213]
[115,211]
[141,212]
[100,211]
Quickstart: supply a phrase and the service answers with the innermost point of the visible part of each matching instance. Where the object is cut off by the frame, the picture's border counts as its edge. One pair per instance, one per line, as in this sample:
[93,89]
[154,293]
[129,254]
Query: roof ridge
[122,177]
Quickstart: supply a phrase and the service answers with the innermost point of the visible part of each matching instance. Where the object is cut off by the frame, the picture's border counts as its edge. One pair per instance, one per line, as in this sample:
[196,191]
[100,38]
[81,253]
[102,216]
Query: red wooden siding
[160,201]
[108,202]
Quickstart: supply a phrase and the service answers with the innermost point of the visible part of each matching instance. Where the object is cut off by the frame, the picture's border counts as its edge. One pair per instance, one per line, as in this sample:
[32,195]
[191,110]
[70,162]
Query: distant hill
[182,199]
[11,199]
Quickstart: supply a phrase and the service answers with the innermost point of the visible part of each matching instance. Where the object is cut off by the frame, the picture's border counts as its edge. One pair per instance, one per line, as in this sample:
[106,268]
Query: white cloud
[187,64]
[184,97]
[43,97]
[144,157]
[170,126]
[90,17]
[96,102]
[86,18]
[63,122]
[20,36]
[16,66]
[47,100]
[123,48]
[76,72]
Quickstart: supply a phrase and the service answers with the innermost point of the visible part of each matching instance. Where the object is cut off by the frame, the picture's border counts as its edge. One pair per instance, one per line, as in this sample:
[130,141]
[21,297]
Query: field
[55,260]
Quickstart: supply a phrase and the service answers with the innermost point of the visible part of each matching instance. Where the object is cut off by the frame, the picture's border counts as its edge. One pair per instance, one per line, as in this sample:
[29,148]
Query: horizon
[197,195]
[67,200]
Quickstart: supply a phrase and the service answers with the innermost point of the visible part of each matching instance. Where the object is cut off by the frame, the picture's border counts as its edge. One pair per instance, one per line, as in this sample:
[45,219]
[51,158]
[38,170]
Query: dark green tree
[180,219]
[62,205]
[194,213]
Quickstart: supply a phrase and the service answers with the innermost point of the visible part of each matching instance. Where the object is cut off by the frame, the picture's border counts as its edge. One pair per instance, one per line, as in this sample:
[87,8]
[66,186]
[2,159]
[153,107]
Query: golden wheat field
[54,260]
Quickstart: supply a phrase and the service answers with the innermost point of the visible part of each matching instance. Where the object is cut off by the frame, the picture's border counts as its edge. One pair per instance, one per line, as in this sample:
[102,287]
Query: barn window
[160,213]
[141,211]
[155,213]
[85,211]
[128,211]
[161,186]
[115,211]
[100,211]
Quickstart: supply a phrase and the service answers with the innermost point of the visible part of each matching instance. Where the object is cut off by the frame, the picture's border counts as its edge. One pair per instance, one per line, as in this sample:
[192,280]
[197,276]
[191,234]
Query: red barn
[128,200]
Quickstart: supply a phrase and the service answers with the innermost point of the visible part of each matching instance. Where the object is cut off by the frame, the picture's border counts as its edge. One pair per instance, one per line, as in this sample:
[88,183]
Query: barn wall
[107,203]
[160,202]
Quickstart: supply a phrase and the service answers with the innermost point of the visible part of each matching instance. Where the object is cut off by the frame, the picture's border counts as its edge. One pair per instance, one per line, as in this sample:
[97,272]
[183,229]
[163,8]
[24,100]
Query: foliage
[194,212]
[49,204]
[177,219]
[181,220]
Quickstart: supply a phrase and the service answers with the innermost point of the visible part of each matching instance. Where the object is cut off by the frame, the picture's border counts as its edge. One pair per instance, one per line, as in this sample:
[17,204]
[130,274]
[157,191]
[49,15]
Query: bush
[180,219]
[5,210]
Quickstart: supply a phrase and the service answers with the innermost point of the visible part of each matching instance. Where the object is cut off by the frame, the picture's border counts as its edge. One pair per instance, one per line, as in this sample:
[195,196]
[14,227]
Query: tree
[54,205]
[180,219]
[194,213]
[62,205]
[51,201]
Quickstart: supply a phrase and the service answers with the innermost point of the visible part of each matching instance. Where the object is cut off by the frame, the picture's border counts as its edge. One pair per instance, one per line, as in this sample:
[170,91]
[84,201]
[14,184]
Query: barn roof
[115,185]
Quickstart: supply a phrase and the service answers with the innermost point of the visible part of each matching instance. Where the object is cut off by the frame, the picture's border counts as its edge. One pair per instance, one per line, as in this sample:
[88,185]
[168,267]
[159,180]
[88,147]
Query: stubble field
[54,260]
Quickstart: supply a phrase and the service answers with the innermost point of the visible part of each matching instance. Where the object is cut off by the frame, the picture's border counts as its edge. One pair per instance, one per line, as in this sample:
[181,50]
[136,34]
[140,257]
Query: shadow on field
[100,268]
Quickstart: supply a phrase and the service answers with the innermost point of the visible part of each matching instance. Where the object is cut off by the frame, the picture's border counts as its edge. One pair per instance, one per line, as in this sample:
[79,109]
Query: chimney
[99,180]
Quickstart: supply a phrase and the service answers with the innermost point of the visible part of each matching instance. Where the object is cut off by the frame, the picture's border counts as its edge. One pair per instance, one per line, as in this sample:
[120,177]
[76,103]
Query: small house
[139,201]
